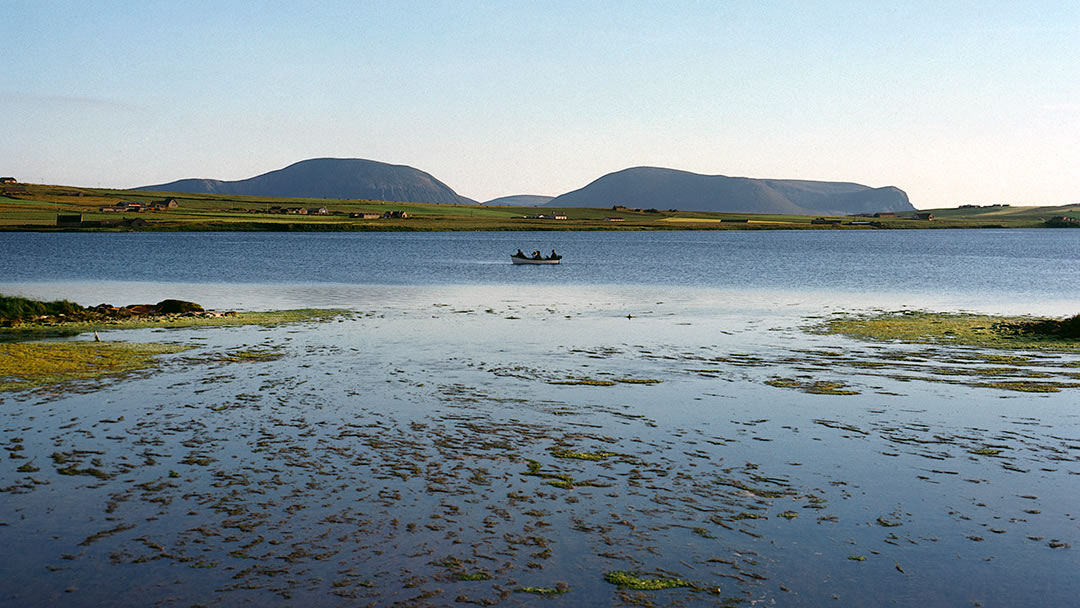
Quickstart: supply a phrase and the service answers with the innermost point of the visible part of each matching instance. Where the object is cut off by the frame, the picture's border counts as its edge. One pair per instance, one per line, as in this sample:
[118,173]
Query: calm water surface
[976,269]
[420,449]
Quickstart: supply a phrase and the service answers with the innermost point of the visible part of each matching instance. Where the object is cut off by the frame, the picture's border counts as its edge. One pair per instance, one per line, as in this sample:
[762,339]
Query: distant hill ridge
[655,187]
[340,178]
[641,187]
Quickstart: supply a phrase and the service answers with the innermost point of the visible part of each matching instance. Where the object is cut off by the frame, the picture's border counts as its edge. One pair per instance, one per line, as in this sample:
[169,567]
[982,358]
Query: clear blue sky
[953,101]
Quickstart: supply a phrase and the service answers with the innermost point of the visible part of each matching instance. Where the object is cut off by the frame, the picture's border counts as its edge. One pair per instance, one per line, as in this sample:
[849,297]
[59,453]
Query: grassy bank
[37,207]
[26,363]
[36,329]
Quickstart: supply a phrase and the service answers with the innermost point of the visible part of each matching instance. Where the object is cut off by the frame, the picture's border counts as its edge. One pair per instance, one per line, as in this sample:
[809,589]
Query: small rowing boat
[521,258]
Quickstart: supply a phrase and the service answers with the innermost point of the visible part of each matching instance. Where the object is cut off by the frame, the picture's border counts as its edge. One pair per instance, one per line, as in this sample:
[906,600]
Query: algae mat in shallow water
[423,458]
[273,317]
[29,364]
[919,327]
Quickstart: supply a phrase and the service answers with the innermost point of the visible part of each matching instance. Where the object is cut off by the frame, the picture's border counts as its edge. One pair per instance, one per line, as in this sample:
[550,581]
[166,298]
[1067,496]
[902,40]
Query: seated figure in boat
[554,256]
[519,254]
[536,255]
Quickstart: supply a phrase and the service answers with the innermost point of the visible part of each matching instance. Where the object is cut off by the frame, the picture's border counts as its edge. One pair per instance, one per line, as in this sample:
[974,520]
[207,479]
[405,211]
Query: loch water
[469,431]
[977,269]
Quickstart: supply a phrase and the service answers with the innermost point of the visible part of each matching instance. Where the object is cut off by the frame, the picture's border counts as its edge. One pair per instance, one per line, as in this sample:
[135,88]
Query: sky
[955,102]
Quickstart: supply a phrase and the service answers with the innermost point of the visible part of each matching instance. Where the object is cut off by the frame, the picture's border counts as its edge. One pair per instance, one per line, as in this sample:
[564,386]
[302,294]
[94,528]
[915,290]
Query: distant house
[613,219]
[1063,220]
[68,220]
[365,215]
[885,214]
[821,220]
[123,206]
[8,180]
[165,205]
[318,211]
[395,215]
[922,216]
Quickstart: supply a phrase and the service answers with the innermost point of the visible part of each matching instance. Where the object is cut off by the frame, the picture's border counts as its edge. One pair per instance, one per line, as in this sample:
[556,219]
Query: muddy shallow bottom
[517,446]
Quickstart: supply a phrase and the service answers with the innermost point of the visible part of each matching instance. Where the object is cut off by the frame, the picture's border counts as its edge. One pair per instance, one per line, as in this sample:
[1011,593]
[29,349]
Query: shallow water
[421,439]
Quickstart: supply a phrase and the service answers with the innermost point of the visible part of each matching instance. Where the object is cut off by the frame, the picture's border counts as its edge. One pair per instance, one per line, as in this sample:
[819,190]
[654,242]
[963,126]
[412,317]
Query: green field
[36,207]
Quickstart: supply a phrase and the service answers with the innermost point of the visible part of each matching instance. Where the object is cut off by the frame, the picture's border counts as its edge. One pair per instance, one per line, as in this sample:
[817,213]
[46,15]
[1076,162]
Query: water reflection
[691,300]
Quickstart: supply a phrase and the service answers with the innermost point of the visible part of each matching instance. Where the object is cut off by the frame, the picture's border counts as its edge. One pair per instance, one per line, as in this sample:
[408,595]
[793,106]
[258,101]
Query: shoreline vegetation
[958,329]
[27,362]
[34,318]
[35,207]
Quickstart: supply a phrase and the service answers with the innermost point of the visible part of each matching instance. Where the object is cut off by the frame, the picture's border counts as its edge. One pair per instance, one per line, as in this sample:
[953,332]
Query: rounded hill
[655,187]
[340,178]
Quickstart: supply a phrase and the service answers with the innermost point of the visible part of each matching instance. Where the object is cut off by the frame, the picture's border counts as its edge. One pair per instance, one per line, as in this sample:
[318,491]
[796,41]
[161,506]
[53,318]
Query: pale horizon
[955,103]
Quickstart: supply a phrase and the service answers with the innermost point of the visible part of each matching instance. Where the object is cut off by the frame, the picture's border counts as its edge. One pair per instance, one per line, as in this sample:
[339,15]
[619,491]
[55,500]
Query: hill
[336,178]
[520,200]
[654,187]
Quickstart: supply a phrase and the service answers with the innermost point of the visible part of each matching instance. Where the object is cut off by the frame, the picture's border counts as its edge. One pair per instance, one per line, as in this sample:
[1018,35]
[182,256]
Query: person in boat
[554,256]
[519,254]
[536,255]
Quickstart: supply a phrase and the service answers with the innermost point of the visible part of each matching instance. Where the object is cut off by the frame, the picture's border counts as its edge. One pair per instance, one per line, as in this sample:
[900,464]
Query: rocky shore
[105,313]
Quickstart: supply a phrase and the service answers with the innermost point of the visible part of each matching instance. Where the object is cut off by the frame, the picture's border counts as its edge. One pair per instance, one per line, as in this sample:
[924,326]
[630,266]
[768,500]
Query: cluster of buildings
[299,210]
[363,215]
[134,207]
[553,216]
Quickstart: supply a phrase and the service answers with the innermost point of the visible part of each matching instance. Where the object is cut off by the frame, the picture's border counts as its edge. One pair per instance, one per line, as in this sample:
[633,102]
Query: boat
[520,258]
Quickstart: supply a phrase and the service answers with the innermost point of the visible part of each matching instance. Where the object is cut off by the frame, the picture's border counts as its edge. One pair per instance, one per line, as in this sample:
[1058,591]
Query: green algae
[248,355]
[558,589]
[479,575]
[627,580]
[563,453]
[816,387]
[25,365]
[1026,386]
[924,327]
[586,382]
[267,318]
